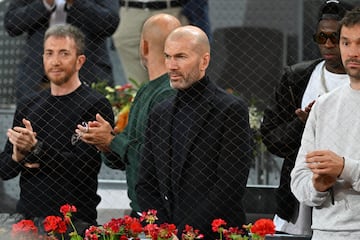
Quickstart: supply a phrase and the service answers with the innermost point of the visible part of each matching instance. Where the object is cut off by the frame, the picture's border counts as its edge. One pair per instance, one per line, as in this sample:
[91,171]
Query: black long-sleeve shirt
[68,173]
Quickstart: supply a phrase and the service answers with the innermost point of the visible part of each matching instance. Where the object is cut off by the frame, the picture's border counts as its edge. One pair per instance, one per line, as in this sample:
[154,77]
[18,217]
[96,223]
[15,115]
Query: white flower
[255,117]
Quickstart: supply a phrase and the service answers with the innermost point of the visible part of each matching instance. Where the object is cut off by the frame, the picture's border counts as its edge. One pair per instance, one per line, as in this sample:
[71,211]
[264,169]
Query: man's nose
[329,43]
[55,60]
[171,63]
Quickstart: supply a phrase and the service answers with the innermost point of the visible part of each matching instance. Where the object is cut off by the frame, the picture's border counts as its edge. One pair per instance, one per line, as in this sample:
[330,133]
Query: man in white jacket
[327,170]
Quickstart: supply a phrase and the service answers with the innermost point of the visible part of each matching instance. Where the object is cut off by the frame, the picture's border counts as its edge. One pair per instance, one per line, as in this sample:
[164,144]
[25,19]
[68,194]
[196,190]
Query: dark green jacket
[128,144]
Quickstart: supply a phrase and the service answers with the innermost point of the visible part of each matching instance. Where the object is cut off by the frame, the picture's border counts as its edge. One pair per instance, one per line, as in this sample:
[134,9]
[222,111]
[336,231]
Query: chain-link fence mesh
[252,41]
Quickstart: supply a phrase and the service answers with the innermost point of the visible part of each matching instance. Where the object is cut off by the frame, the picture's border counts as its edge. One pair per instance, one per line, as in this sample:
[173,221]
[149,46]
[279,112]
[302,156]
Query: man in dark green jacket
[128,144]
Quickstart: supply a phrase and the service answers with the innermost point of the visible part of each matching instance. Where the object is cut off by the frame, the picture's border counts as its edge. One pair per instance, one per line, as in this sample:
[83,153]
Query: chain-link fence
[252,41]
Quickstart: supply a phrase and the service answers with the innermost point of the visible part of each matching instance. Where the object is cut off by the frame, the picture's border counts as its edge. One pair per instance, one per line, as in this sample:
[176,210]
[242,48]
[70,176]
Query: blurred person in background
[129,143]
[133,15]
[98,19]
[284,121]
[197,13]
[55,167]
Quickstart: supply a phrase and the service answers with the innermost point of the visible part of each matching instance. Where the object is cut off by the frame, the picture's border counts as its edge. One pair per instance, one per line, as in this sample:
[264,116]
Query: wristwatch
[36,148]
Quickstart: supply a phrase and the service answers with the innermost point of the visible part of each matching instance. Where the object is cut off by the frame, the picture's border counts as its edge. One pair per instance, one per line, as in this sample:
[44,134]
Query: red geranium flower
[93,233]
[235,233]
[114,225]
[120,228]
[25,226]
[54,224]
[190,233]
[262,227]
[67,211]
[258,231]
[149,228]
[218,225]
[123,237]
[149,216]
[136,228]
[164,231]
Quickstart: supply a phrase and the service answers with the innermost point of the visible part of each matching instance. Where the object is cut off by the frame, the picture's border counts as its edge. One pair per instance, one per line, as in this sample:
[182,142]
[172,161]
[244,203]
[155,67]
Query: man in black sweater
[197,151]
[56,169]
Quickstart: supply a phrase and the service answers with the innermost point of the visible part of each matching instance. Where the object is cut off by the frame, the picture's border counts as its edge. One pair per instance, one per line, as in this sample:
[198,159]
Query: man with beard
[326,175]
[197,151]
[97,19]
[285,119]
[55,168]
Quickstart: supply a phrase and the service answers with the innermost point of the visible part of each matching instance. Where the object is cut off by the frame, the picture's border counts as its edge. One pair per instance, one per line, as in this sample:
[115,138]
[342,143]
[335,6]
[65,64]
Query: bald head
[194,36]
[157,28]
[153,35]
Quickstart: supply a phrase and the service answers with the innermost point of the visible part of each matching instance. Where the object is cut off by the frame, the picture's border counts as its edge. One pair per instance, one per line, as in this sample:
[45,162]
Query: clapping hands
[99,133]
[23,140]
[303,114]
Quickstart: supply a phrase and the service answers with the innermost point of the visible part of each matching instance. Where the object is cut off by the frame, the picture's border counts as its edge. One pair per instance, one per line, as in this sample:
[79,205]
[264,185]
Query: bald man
[197,149]
[123,150]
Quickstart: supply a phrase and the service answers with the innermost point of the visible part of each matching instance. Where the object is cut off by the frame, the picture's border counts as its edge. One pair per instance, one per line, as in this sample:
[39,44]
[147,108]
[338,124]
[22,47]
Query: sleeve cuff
[350,170]
[318,197]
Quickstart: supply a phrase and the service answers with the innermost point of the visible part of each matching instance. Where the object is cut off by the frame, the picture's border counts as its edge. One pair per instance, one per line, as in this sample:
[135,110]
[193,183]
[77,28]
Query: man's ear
[205,61]
[80,61]
[145,47]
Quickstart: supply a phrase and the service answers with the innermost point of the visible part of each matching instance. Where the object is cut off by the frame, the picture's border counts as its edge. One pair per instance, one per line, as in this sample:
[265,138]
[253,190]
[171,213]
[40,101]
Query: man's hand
[303,114]
[326,167]
[325,162]
[69,2]
[50,2]
[323,182]
[99,133]
[23,140]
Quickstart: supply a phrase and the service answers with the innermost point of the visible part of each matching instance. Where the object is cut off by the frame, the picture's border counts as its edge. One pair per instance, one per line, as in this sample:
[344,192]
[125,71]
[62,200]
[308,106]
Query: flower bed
[132,228]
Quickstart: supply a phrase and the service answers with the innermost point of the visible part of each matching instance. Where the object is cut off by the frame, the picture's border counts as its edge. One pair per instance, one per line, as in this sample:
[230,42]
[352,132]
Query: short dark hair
[351,18]
[68,30]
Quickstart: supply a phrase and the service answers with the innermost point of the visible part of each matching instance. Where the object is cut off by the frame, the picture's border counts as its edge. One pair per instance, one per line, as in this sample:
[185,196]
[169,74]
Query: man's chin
[58,81]
[174,84]
[331,58]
